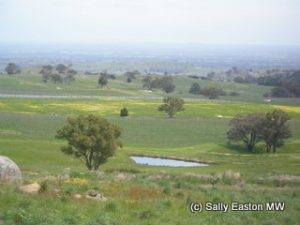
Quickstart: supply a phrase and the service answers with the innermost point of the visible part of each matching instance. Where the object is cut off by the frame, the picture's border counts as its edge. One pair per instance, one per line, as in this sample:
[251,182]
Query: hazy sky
[165,21]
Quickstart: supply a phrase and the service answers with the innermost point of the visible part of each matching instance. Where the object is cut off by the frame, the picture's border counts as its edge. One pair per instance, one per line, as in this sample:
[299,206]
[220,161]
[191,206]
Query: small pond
[152,161]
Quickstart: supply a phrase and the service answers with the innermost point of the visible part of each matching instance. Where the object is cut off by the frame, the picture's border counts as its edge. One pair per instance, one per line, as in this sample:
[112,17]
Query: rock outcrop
[9,171]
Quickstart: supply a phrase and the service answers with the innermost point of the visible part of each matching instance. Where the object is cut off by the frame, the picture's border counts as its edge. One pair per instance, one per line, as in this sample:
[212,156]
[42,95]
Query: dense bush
[195,89]
[285,85]
[213,93]
[124,112]
[12,68]
[165,83]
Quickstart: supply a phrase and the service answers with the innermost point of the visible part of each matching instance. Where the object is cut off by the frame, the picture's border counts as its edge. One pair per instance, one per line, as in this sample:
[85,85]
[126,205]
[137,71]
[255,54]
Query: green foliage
[252,128]
[65,74]
[44,186]
[131,75]
[12,68]
[124,112]
[70,76]
[102,80]
[61,68]
[46,72]
[91,139]
[165,83]
[286,84]
[275,129]
[147,82]
[212,92]
[56,78]
[172,105]
[234,93]
[247,129]
[195,89]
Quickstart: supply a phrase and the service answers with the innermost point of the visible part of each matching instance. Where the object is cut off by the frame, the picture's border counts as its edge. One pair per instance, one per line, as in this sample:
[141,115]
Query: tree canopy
[102,80]
[165,83]
[90,138]
[212,92]
[172,105]
[247,129]
[195,89]
[272,128]
[12,68]
[275,129]
[63,74]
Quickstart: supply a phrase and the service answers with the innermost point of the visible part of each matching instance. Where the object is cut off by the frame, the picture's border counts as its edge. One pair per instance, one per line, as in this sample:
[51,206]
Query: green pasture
[139,194]
[28,127]
[87,86]
[137,108]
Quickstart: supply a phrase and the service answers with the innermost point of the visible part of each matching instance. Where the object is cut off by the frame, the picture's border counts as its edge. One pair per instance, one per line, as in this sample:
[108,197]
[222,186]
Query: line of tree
[284,85]
[272,128]
[210,92]
[165,83]
[58,74]
[245,80]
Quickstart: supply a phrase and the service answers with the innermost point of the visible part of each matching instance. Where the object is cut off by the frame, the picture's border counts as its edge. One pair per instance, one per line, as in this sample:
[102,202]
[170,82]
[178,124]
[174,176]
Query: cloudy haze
[162,21]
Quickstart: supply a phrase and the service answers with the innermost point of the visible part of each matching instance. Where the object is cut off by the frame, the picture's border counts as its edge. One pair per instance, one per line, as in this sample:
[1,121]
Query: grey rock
[9,171]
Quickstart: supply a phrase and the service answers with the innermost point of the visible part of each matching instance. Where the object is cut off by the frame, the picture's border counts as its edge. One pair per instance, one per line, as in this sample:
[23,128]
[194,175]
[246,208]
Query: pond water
[152,161]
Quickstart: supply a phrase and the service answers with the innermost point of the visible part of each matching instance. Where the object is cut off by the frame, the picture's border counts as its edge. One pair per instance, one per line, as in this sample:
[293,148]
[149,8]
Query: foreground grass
[148,198]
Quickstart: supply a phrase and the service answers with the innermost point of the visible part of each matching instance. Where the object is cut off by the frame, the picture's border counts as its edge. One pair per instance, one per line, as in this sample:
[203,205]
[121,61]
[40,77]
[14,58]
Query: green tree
[276,129]
[91,139]
[102,80]
[12,68]
[172,105]
[166,83]
[147,82]
[195,89]
[56,78]
[132,74]
[124,112]
[247,129]
[46,72]
[212,93]
[70,76]
[61,68]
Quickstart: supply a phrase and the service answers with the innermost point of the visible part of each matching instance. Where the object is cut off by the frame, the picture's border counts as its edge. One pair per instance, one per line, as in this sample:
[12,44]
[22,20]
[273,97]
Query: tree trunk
[268,148]
[250,147]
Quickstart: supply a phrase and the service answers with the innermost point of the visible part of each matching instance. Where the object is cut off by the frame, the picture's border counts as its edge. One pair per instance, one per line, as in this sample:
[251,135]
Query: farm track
[29,96]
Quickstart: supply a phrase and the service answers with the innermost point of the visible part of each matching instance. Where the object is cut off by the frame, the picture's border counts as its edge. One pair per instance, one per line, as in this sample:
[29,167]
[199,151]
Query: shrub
[124,112]
[234,94]
[44,186]
[195,89]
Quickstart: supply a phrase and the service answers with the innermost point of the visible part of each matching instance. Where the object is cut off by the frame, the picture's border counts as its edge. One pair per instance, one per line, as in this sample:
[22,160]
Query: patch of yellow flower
[77,181]
[293,109]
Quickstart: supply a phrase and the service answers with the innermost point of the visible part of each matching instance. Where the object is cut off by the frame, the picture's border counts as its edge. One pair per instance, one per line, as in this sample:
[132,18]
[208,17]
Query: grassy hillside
[87,85]
[139,194]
